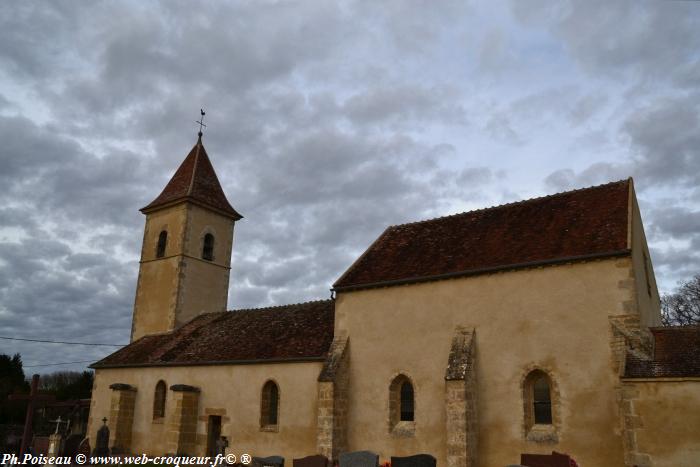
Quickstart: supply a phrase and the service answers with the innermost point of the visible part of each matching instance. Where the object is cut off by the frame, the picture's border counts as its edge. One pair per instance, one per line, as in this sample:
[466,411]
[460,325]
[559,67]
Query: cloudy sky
[327,121]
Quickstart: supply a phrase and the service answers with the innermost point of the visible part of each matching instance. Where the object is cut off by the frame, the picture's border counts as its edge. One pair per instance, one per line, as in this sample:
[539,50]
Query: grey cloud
[500,127]
[675,264]
[675,222]
[404,103]
[475,176]
[586,107]
[646,39]
[664,143]
[666,140]
[51,293]
[327,122]
[595,174]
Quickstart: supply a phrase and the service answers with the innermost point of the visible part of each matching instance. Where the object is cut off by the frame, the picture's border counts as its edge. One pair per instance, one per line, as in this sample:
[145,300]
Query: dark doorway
[213,434]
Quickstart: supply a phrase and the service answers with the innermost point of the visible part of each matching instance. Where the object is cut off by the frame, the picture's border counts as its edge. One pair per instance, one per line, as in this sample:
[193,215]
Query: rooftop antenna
[201,122]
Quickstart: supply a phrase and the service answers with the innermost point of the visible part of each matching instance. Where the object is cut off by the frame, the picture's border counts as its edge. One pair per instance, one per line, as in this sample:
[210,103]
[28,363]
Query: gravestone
[359,459]
[102,441]
[311,461]
[56,439]
[270,461]
[546,460]
[221,445]
[84,447]
[70,447]
[419,460]
[39,446]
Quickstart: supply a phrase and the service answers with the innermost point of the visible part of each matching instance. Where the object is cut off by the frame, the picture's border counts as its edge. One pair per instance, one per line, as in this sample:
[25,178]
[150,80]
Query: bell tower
[186,252]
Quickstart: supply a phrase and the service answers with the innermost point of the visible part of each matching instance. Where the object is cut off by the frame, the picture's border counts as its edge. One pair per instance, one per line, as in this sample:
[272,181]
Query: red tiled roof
[589,222]
[676,354]
[285,333]
[195,180]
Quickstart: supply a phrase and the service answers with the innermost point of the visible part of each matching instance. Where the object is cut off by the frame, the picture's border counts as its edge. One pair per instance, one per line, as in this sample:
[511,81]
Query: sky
[326,122]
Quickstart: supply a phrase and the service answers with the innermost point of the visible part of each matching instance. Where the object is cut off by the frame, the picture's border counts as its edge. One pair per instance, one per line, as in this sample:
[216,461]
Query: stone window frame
[397,427]
[159,403]
[207,231]
[540,433]
[265,406]
[161,253]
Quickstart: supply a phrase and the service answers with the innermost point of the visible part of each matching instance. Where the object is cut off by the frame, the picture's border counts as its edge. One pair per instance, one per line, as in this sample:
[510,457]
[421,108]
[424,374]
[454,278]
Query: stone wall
[631,422]
[461,401]
[333,387]
[121,417]
[182,422]
[629,337]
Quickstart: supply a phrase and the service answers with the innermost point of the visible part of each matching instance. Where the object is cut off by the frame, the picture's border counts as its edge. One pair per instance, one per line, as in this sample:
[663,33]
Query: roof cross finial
[201,122]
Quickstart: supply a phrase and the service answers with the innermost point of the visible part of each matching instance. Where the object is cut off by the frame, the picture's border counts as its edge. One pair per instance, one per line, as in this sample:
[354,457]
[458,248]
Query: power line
[59,342]
[63,363]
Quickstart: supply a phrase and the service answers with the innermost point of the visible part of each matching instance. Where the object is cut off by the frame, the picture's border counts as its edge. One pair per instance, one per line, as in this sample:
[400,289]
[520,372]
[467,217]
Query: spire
[196,181]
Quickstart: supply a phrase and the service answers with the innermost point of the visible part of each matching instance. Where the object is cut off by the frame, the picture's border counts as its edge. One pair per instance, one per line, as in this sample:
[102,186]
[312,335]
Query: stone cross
[33,398]
[58,423]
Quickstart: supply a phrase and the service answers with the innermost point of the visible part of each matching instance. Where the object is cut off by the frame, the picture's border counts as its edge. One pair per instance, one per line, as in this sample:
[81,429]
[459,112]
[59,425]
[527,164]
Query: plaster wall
[230,391]
[180,286]
[202,221]
[154,306]
[554,318]
[204,284]
[648,301]
[669,410]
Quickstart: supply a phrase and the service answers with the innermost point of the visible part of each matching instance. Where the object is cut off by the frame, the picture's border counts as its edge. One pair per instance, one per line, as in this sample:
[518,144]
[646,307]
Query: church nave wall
[555,319]
[232,392]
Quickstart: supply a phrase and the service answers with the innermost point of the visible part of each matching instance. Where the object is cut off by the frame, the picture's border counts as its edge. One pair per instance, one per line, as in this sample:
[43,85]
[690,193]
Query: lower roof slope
[676,354]
[577,224]
[296,332]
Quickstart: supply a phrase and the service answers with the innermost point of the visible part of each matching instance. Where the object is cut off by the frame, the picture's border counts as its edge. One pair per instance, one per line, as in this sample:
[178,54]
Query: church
[529,327]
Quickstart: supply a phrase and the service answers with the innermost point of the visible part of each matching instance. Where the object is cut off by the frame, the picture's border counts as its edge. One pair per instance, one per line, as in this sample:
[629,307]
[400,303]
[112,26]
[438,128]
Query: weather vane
[201,122]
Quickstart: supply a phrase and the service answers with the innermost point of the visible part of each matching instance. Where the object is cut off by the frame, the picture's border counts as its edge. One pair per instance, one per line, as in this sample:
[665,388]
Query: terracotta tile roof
[297,332]
[195,180]
[676,354]
[589,222]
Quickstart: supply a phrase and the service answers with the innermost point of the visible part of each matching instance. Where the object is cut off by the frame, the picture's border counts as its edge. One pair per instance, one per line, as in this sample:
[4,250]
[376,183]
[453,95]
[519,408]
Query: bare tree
[68,384]
[682,308]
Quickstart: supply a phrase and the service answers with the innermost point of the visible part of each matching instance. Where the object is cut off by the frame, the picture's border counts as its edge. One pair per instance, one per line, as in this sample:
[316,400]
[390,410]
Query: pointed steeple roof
[196,181]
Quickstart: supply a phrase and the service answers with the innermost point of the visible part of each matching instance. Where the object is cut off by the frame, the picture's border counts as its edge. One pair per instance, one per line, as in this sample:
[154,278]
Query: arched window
[402,406]
[159,400]
[538,399]
[208,248]
[162,242]
[542,401]
[269,405]
[406,401]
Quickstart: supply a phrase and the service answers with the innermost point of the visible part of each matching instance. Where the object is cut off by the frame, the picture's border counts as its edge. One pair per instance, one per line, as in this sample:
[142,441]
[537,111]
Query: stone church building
[530,327]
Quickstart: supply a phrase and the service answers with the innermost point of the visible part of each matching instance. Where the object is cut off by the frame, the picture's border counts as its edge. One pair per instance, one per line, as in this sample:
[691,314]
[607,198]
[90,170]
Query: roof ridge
[194,168]
[272,307]
[510,204]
